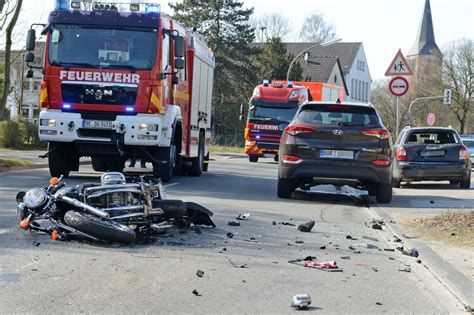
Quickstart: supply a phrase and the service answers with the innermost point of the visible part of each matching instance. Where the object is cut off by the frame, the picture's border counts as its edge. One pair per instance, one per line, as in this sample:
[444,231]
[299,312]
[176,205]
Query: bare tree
[271,25]
[7,61]
[316,29]
[458,75]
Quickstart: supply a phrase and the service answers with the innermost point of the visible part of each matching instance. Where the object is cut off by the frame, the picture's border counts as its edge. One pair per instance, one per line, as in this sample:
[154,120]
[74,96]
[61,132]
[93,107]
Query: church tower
[425,58]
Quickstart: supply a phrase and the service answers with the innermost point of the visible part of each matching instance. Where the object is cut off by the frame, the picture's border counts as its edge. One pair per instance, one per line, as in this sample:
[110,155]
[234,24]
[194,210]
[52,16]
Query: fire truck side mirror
[179,46]
[30,40]
[179,63]
[29,57]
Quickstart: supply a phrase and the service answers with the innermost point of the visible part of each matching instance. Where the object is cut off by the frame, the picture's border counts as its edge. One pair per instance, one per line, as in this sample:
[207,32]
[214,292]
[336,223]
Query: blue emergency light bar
[290,84]
[62,5]
[150,8]
[266,82]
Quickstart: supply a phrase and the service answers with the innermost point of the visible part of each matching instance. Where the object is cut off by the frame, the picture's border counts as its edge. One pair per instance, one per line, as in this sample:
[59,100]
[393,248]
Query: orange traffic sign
[398,66]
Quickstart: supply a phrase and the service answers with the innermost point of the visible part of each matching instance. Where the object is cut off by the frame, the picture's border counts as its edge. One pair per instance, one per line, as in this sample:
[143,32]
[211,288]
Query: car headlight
[34,198]
[48,122]
[148,127]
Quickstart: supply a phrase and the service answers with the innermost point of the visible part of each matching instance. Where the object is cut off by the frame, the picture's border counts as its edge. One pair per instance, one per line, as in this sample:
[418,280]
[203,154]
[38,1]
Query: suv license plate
[433,153]
[336,154]
[101,124]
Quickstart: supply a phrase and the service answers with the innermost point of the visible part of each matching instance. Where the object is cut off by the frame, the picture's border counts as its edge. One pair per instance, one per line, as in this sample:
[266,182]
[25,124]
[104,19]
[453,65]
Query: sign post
[398,86]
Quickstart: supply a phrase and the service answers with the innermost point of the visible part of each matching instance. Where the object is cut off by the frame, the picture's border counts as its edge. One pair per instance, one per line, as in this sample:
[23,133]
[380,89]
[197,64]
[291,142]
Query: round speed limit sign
[398,86]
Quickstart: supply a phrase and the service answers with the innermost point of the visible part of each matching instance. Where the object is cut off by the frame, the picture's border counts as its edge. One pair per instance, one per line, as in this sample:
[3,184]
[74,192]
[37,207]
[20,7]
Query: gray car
[336,143]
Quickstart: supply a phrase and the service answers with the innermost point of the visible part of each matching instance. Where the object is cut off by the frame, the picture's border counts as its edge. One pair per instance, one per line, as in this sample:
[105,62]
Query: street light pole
[306,50]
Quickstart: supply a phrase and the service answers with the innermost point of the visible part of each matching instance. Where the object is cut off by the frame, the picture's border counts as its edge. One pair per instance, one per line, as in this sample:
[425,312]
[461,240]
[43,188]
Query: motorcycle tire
[104,230]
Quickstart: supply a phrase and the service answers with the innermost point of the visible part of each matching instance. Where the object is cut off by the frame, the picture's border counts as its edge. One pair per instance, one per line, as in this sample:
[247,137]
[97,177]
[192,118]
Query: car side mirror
[30,40]
[179,46]
[179,63]
[29,57]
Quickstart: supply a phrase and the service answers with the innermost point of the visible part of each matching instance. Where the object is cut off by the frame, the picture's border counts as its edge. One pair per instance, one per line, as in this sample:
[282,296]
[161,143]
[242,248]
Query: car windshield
[338,115]
[468,143]
[89,46]
[431,137]
[272,111]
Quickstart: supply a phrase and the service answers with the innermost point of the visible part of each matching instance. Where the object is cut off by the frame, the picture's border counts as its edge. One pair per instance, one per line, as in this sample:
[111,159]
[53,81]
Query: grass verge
[452,227]
[220,148]
[14,162]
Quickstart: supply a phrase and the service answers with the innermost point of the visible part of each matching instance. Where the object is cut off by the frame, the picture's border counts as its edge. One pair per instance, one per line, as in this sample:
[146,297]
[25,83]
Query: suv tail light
[463,154]
[380,133]
[294,130]
[291,159]
[401,154]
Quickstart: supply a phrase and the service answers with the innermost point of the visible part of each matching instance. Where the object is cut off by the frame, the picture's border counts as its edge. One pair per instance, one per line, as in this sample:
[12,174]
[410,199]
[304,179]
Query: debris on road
[351,247]
[233,223]
[389,249]
[322,247]
[407,269]
[196,293]
[274,222]
[299,242]
[230,235]
[252,240]
[199,273]
[345,257]
[244,216]
[375,269]
[236,265]
[378,303]
[431,201]
[36,244]
[287,223]
[306,227]
[309,258]
[301,301]
[377,224]
[418,261]
[349,237]
[413,252]
[325,265]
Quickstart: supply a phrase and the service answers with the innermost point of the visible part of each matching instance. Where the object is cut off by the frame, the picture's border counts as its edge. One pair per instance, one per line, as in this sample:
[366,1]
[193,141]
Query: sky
[383,26]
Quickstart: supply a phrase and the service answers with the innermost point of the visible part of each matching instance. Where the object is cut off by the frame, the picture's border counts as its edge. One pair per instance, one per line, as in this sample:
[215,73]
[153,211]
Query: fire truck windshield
[272,111]
[97,47]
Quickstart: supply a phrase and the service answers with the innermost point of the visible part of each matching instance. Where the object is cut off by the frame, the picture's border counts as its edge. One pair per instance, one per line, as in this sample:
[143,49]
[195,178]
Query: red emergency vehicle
[123,85]
[272,107]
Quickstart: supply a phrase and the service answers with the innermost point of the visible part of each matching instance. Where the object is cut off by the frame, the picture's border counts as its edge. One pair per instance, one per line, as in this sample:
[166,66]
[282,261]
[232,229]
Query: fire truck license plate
[102,124]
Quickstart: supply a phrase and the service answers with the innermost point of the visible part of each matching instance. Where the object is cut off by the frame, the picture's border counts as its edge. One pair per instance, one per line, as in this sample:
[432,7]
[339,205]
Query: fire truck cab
[123,85]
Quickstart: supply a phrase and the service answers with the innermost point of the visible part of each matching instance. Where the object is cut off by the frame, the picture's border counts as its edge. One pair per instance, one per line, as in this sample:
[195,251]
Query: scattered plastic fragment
[321,265]
[407,269]
[349,237]
[237,265]
[413,252]
[233,223]
[36,244]
[378,303]
[230,235]
[309,258]
[322,247]
[287,223]
[418,261]
[306,227]
[200,273]
[373,239]
[376,226]
[252,240]
[431,201]
[345,257]
[375,269]
[299,242]
[274,222]
[196,293]
[389,249]
[301,301]
[244,216]
[351,247]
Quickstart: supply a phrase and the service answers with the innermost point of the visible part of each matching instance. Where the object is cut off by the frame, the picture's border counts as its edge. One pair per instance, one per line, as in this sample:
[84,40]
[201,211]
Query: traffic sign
[447,97]
[431,119]
[399,66]
[398,86]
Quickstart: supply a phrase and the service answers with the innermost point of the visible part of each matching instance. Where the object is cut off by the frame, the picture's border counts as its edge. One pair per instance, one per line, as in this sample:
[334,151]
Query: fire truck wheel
[198,162]
[58,158]
[253,158]
[165,170]
[98,164]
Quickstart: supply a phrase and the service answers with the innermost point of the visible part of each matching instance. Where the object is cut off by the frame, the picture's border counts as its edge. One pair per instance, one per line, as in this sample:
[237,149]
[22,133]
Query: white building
[353,63]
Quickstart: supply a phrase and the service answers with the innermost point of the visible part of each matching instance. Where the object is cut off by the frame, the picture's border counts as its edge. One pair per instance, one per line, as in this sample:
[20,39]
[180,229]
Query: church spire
[425,42]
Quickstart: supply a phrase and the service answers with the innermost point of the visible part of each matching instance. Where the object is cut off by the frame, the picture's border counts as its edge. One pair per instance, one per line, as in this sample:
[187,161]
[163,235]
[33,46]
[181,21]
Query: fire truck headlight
[294,94]
[148,127]
[48,122]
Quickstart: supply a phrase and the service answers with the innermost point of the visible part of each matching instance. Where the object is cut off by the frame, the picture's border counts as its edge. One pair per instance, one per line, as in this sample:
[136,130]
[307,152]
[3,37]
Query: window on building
[335,78]
[352,88]
[356,89]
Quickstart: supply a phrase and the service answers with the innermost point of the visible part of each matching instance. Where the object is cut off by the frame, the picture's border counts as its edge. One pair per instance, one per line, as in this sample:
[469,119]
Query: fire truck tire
[98,164]
[165,170]
[205,167]
[253,158]
[58,158]
[275,158]
[197,163]
[284,188]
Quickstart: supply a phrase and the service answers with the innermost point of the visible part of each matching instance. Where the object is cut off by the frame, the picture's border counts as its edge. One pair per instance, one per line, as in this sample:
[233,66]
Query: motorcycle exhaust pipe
[86,207]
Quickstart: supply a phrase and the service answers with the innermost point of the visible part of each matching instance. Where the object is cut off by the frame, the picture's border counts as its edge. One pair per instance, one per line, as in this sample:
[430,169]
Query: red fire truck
[123,85]
[272,107]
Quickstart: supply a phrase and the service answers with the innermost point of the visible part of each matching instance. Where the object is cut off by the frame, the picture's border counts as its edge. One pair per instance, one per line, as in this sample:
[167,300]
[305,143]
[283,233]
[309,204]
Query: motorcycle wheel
[105,230]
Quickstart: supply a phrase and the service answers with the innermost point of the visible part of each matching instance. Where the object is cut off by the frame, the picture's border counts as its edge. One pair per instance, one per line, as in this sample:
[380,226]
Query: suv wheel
[383,193]
[284,188]
[466,184]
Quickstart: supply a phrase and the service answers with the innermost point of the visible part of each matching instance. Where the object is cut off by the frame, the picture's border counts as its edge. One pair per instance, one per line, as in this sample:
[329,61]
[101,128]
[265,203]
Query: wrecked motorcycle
[114,210]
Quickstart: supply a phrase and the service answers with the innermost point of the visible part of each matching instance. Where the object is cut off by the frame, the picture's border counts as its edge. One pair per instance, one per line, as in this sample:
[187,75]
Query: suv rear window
[431,137]
[338,115]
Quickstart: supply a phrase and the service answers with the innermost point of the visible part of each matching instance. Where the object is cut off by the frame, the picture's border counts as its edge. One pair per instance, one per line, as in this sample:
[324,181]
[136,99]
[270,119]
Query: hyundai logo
[337,132]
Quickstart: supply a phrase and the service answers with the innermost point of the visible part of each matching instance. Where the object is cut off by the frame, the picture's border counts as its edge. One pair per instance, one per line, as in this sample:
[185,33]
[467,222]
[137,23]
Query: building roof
[346,52]
[425,43]
[319,69]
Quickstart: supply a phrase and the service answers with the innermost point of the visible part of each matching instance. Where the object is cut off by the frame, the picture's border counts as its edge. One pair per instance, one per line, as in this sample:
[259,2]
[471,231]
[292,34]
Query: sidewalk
[30,156]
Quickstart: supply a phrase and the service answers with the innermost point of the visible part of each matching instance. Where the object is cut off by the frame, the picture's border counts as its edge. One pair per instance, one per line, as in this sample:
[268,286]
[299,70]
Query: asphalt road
[160,277]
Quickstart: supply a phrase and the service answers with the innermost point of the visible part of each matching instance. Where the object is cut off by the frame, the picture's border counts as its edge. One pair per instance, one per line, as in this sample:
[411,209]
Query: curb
[452,279]
[34,166]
